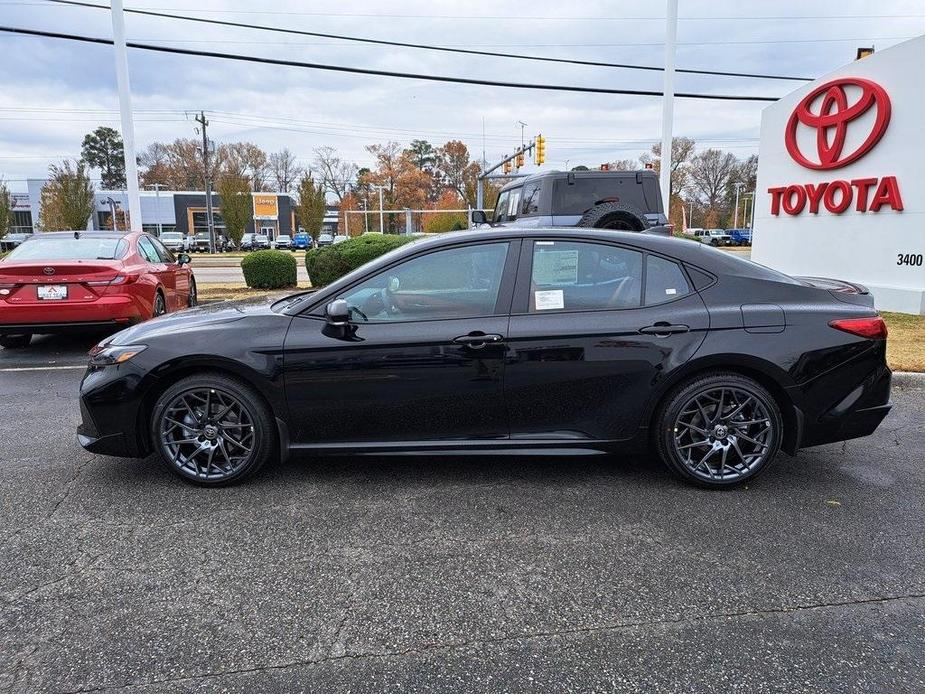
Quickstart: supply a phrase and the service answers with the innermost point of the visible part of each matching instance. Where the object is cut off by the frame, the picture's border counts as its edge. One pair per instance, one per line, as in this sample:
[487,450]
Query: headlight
[102,355]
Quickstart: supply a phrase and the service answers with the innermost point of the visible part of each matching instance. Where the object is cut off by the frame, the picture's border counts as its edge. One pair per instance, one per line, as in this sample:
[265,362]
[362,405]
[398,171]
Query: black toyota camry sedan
[504,341]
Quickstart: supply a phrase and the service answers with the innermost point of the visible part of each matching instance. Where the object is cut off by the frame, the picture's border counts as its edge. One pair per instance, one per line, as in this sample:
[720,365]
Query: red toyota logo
[831,121]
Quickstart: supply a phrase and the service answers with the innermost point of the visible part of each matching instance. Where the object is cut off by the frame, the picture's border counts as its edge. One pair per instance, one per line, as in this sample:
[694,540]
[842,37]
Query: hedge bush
[330,263]
[269,269]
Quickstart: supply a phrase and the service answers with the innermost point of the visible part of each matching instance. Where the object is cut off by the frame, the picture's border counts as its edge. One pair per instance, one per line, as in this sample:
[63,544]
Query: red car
[60,281]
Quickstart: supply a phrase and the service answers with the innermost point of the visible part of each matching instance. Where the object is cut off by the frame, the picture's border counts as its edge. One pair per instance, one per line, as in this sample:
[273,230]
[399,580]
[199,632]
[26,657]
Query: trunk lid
[23,282]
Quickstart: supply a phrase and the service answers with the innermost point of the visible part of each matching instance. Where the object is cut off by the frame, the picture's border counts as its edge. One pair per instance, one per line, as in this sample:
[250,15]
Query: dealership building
[841,182]
[163,211]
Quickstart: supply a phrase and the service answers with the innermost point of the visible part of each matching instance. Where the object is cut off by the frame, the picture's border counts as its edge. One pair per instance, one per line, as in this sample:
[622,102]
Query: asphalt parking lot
[465,574]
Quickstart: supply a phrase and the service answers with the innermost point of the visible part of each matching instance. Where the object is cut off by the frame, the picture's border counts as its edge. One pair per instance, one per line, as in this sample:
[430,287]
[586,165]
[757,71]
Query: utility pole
[381,213]
[690,216]
[735,223]
[210,222]
[125,113]
[479,182]
[366,216]
[671,37]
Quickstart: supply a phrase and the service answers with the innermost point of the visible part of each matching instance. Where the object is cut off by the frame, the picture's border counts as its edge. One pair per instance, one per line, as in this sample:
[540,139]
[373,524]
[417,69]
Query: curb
[908,379]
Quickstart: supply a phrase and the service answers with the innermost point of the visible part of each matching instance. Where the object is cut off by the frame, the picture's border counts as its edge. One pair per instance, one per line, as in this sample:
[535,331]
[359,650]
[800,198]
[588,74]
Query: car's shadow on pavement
[70,348]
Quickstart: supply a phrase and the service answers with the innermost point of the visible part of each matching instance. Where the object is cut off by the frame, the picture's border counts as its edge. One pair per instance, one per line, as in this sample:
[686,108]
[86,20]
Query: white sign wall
[841,178]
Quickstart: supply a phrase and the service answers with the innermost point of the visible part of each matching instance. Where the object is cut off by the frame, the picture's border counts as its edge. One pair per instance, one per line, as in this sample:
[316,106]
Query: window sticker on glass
[671,290]
[549,299]
[555,267]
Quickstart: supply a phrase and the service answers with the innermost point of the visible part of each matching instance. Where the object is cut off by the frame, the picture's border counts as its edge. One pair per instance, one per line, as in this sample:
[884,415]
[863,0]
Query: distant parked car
[325,240]
[714,237]
[284,241]
[302,240]
[11,241]
[740,237]
[261,241]
[174,241]
[340,238]
[247,242]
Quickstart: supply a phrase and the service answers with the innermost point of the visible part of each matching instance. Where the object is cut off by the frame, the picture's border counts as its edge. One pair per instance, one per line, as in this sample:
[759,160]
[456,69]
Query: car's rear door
[422,360]
[180,274]
[156,266]
[594,326]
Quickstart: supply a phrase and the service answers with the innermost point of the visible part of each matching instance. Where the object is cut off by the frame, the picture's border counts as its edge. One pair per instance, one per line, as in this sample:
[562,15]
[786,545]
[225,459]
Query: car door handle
[664,329]
[477,340]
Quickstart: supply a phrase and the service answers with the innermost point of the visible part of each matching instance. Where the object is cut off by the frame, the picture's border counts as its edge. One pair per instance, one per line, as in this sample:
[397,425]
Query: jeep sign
[841,179]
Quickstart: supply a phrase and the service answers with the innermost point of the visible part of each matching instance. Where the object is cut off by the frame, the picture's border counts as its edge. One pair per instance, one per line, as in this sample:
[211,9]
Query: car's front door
[421,360]
[594,326]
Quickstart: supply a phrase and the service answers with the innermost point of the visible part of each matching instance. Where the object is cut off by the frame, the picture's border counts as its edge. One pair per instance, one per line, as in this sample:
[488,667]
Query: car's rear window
[67,248]
[585,193]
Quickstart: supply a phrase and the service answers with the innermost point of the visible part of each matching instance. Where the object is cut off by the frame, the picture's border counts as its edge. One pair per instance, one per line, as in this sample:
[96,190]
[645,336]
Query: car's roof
[84,234]
[649,173]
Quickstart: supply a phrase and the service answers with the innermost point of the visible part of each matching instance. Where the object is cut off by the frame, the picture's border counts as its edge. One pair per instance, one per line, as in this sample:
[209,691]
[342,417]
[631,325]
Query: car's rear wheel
[718,430]
[15,341]
[212,430]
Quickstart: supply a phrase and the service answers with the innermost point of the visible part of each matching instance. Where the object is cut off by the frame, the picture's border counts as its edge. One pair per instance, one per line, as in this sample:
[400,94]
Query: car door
[594,326]
[421,360]
[160,269]
[180,274]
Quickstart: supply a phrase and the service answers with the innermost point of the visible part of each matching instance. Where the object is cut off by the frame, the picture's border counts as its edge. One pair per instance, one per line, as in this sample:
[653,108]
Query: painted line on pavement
[43,368]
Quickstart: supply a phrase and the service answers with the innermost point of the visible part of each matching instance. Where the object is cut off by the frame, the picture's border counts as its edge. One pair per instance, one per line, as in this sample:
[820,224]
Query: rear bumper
[855,414]
[105,312]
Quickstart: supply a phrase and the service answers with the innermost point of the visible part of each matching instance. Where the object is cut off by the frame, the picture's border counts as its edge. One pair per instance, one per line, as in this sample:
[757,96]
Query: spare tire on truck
[613,215]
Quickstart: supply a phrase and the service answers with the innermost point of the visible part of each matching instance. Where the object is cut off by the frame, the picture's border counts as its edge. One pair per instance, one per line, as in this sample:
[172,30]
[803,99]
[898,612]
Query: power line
[381,73]
[421,46]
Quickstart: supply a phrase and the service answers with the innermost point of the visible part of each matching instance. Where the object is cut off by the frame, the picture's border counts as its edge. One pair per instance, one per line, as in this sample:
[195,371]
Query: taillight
[118,279]
[872,328]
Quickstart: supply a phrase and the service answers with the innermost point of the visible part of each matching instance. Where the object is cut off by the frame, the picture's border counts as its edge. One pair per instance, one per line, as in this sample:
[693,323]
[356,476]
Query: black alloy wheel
[719,430]
[160,305]
[212,430]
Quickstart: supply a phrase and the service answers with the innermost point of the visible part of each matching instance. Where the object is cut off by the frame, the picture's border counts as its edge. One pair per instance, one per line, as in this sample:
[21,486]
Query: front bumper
[110,398]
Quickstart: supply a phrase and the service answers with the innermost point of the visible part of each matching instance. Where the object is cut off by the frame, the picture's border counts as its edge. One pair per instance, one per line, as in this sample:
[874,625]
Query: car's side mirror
[184,259]
[479,217]
[338,313]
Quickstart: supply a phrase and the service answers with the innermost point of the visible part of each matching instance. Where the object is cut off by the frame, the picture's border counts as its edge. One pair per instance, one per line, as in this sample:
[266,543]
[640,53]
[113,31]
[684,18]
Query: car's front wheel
[718,429]
[212,430]
[192,298]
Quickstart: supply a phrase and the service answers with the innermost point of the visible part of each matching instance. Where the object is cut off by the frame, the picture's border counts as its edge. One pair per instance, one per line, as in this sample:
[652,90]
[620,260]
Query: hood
[173,324]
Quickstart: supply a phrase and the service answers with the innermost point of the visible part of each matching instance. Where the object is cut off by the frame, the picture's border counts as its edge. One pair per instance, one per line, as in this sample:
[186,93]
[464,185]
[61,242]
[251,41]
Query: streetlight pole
[381,213]
[671,37]
[125,113]
[735,223]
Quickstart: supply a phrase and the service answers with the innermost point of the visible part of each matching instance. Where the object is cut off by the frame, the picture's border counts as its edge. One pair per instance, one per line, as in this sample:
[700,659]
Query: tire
[711,452]
[15,341]
[160,304]
[192,298]
[614,215]
[227,452]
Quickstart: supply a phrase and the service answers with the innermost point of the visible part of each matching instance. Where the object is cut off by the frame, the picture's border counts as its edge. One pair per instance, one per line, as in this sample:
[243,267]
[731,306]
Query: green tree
[310,209]
[237,204]
[6,209]
[102,149]
[67,198]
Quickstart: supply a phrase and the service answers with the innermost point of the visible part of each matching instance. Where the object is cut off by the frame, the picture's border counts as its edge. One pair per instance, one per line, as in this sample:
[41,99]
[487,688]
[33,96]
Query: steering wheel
[616,299]
[353,309]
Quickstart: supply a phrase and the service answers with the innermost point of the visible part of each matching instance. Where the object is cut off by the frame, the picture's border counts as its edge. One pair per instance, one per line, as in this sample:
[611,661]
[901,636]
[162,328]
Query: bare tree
[244,159]
[335,174]
[682,149]
[710,173]
[284,171]
[625,165]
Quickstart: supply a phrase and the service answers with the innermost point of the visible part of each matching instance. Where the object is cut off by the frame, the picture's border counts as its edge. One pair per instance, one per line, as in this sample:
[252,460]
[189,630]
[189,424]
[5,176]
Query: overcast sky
[54,91]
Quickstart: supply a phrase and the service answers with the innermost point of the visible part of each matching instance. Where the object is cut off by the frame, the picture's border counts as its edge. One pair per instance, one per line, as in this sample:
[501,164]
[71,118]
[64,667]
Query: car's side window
[162,252]
[146,248]
[501,207]
[531,199]
[664,280]
[580,276]
[459,282]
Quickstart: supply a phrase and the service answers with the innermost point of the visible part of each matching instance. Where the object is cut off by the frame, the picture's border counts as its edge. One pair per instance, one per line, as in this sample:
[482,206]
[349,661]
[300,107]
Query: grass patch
[905,347]
[225,292]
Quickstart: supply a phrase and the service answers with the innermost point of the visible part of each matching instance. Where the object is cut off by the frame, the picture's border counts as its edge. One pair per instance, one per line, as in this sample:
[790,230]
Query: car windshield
[261,237]
[282,237]
[69,248]
[171,236]
[202,236]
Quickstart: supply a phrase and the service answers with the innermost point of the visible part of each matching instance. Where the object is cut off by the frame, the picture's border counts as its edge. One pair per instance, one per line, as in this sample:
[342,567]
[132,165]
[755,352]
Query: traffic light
[540,152]
[520,160]
[507,167]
